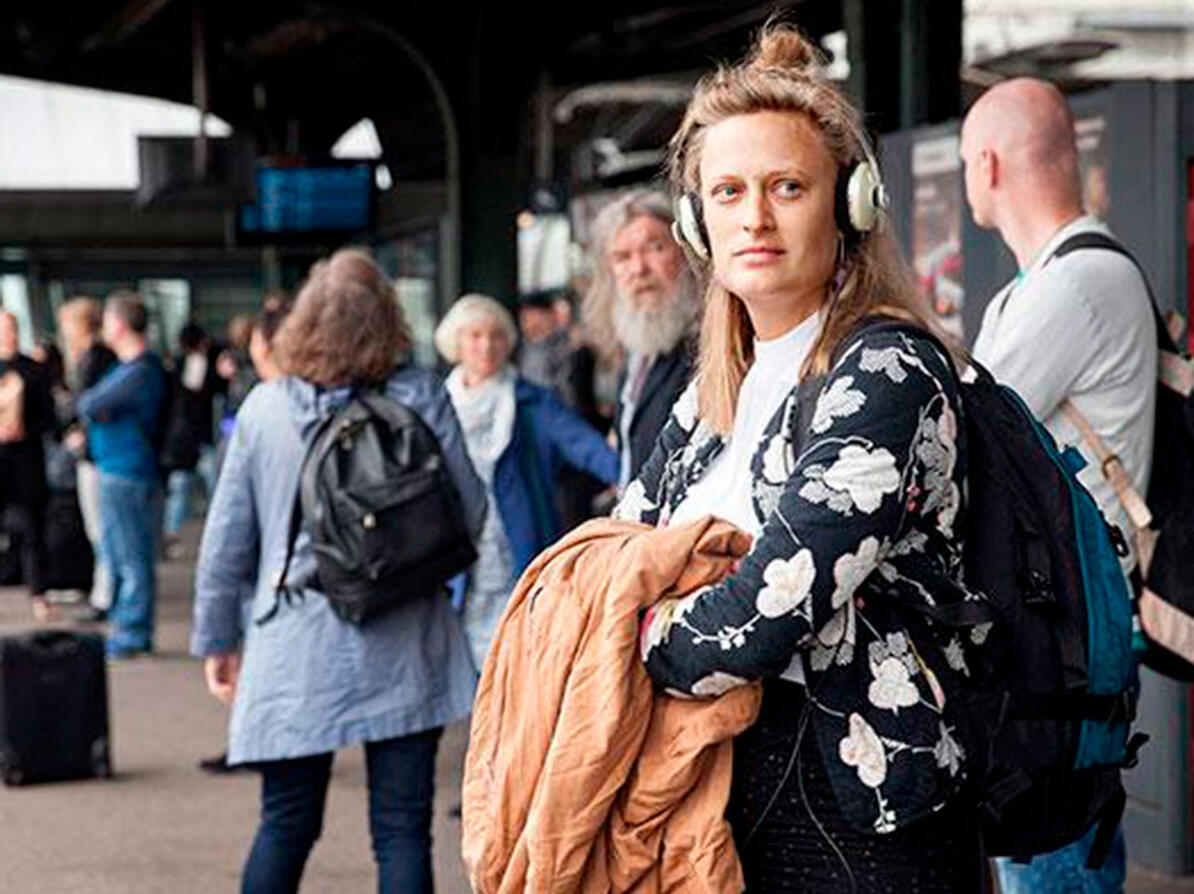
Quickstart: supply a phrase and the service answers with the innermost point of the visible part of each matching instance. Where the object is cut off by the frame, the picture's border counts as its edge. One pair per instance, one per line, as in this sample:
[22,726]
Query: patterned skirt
[803,844]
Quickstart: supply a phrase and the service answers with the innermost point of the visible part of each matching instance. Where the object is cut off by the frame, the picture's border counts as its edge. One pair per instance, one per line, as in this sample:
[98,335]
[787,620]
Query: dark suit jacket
[665,382]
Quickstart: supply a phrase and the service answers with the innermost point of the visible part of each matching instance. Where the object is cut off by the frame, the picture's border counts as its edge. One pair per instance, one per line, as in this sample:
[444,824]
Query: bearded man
[646,291]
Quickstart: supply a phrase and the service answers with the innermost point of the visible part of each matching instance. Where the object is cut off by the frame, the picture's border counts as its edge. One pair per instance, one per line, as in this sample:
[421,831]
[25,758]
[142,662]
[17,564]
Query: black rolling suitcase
[53,707]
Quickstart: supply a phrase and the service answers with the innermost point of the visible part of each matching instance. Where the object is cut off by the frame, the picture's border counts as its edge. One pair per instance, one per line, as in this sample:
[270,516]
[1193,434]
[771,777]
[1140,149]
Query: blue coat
[546,436]
[311,683]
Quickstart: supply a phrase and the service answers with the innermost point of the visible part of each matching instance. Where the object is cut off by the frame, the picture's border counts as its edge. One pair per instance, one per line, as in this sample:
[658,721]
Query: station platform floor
[161,826]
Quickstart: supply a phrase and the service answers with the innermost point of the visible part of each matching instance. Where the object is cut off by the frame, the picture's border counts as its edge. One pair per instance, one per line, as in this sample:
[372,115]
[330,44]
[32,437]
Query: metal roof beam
[133,16]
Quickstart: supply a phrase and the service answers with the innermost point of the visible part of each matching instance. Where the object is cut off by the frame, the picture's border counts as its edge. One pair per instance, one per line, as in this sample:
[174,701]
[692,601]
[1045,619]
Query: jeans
[1064,871]
[179,486]
[128,521]
[89,499]
[401,786]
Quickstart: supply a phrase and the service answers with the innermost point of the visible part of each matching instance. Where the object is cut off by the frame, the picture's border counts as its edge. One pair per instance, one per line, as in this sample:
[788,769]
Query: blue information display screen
[310,199]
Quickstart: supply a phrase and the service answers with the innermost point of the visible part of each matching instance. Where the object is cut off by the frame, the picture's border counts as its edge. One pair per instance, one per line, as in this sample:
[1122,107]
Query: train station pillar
[905,58]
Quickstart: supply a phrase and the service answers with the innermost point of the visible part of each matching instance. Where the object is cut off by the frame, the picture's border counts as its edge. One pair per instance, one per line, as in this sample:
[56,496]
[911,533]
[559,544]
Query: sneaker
[219,765]
[116,652]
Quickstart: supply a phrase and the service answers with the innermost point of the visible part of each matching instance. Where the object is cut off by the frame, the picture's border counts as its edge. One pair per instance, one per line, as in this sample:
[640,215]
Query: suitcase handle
[61,641]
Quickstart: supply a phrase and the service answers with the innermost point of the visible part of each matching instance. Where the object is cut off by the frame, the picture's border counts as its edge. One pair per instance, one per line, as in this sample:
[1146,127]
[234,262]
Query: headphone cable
[794,763]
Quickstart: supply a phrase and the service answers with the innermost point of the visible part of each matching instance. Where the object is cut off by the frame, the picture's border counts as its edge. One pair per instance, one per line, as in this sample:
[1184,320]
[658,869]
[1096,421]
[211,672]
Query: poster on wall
[937,208]
[1093,164]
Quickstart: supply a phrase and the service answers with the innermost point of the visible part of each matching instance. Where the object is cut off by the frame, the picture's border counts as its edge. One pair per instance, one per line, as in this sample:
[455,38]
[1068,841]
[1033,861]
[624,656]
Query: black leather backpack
[385,520]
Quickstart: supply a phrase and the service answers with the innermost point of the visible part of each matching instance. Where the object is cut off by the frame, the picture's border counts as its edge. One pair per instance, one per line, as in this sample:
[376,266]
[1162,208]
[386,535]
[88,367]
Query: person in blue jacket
[124,413]
[303,682]
[519,435]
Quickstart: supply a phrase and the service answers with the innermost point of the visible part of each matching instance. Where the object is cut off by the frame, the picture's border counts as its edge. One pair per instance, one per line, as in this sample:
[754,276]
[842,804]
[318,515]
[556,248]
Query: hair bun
[785,47]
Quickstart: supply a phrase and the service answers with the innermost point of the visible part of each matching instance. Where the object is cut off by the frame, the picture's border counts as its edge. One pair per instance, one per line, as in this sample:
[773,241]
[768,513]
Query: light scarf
[486,412]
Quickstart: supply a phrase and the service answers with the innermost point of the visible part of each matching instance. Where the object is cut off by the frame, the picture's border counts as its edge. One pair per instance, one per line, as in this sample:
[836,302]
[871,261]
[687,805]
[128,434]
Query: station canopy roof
[326,65]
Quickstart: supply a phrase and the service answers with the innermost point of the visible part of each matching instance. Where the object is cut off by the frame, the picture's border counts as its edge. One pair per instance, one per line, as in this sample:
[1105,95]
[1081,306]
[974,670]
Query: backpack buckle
[1132,749]
[1117,539]
[1113,465]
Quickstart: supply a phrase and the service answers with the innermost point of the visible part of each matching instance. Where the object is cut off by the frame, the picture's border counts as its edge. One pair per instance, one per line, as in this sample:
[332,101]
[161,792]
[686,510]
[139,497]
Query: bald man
[1077,328]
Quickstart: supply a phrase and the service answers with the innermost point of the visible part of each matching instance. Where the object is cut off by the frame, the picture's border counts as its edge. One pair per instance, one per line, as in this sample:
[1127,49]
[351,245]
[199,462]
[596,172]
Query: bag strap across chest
[1173,372]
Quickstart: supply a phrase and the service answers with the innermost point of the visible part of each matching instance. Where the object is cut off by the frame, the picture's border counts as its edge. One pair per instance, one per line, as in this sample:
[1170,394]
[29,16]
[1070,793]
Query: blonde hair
[464,311]
[346,326]
[85,311]
[782,75]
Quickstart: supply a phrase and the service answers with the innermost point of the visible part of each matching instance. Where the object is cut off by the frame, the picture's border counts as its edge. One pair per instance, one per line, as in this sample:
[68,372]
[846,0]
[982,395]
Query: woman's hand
[221,673]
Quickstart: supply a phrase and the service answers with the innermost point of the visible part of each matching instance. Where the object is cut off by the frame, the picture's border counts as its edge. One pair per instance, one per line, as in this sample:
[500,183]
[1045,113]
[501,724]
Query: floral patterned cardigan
[860,525]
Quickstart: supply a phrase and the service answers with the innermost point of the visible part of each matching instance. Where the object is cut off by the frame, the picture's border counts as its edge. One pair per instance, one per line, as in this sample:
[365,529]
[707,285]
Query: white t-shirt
[725,489]
[1081,327]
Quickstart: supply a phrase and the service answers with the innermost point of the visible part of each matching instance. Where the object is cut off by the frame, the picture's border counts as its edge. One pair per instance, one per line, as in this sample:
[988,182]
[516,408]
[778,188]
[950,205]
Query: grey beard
[656,331]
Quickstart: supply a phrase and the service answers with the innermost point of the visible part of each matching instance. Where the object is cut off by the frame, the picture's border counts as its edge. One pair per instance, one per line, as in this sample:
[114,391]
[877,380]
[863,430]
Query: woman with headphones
[824,420]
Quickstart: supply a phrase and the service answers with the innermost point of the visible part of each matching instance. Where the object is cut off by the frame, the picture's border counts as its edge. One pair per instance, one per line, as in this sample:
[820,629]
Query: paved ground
[162,827]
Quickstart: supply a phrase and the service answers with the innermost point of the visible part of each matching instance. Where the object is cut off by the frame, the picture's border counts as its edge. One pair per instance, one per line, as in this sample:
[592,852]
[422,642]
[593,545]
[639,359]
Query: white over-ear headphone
[689,228]
[859,202]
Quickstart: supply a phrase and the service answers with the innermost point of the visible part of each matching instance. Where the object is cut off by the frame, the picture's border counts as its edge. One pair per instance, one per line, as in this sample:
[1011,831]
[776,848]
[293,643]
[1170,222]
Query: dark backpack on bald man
[1164,521]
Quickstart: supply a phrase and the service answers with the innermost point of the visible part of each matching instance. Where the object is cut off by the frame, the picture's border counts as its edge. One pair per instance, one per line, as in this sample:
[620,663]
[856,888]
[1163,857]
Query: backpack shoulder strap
[810,387]
[1112,466]
[281,586]
[1175,371]
[1080,241]
[1113,469]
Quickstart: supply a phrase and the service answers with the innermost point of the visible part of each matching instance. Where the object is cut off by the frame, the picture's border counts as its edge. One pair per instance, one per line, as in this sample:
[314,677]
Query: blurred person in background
[545,355]
[302,681]
[69,570]
[189,435]
[26,414]
[261,342]
[124,415]
[234,364]
[265,364]
[552,354]
[519,435]
[88,359]
[644,294]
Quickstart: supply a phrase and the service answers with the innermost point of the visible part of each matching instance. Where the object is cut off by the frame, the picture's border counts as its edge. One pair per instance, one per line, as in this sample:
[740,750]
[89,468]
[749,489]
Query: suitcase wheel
[13,774]
[101,764]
